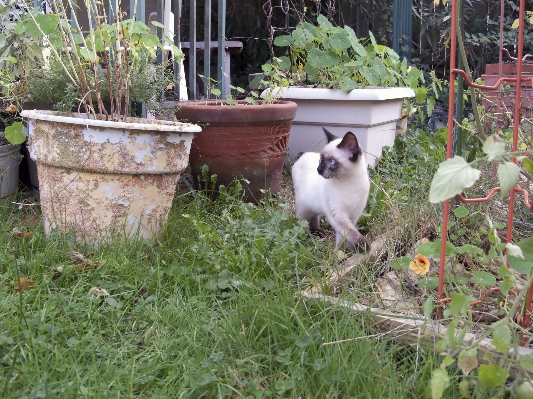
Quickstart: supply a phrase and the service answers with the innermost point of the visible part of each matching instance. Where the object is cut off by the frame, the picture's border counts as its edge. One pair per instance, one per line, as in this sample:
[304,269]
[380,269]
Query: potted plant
[344,86]
[101,171]
[245,139]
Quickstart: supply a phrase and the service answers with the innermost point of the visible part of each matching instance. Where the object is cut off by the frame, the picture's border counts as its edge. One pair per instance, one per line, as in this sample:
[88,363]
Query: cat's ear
[330,135]
[349,143]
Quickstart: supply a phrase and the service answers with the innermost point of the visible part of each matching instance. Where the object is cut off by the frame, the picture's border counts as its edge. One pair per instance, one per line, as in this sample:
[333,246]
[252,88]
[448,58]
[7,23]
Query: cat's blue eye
[332,162]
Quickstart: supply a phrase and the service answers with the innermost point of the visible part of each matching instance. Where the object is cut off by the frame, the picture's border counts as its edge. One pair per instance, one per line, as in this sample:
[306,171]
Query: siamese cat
[333,184]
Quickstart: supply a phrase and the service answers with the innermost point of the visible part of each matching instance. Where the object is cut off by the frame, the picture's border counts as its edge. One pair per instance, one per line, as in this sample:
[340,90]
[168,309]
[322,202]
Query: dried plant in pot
[102,172]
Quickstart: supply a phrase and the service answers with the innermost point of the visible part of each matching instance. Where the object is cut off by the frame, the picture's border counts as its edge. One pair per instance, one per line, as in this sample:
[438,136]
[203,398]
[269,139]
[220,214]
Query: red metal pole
[451,99]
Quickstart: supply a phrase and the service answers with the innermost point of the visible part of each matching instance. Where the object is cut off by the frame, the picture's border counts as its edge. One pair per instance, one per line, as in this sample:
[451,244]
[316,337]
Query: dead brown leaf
[24,283]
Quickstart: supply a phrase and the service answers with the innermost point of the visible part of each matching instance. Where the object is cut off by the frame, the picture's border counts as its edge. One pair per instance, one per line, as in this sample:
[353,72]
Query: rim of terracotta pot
[136,124]
[219,112]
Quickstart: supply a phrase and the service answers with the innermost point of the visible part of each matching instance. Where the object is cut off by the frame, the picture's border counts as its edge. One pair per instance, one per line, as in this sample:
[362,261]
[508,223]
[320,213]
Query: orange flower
[420,265]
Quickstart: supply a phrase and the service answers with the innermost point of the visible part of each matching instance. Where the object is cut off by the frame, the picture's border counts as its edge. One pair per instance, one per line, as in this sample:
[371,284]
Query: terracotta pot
[240,141]
[501,102]
[100,179]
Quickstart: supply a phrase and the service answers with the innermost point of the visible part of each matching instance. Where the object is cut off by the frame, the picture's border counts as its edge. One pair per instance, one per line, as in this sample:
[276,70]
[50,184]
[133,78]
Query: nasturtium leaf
[20,28]
[47,22]
[14,133]
[310,69]
[523,265]
[501,338]
[284,62]
[469,249]
[346,84]
[322,59]
[283,41]
[301,37]
[483,278]
[152,40]
[526,362]
[452,177]
[158,24]
[439,382]
[400,263]
[428,248]
[429,283]
[494,146]
[371,75]
[460,211]
[324,23]
[467,360]
[339,41]
[491,376]
[508,173]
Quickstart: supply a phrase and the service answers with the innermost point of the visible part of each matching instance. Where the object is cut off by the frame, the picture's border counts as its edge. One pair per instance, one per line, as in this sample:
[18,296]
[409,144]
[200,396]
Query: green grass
[209,310]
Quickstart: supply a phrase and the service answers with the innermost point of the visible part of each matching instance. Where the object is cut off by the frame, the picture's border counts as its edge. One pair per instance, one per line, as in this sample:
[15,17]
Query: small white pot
[101,179]
[370,113]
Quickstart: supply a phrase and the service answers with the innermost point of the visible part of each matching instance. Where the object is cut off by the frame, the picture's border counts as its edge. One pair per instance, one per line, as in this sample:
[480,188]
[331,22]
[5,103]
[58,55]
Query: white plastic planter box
[370,113]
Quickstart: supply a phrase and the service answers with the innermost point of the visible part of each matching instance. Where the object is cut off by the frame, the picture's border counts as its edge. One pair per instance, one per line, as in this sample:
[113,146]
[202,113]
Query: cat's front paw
[361,245]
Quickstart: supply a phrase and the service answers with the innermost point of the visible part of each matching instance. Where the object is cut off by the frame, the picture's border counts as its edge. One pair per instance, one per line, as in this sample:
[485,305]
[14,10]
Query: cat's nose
[321,168]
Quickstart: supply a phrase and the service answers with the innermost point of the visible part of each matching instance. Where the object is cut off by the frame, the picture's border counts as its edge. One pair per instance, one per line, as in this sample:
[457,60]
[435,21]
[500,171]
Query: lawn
[210,309]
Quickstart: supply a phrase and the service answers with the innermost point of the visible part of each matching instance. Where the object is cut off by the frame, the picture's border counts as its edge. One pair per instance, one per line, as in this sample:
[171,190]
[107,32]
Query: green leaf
[459,303]
[469,249]
[347,84]
[340,41]
[400,263]
[433,248]
[452,177]
[322,59]
[464,389]
[494,146]
[430,105]
[460,211]
[20,28]
[429,283]
[421,95]
[508,173]
[283,41]
[14,133]
[523,265]
[152,40]
[491,376]
[528,166]
[47,22]
[483,278]
[439,382]
[447,361]
[526,362]
[501,338]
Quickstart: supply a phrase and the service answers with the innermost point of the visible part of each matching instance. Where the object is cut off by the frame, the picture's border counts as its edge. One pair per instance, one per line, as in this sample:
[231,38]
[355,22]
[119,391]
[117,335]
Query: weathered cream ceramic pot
[101,179]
